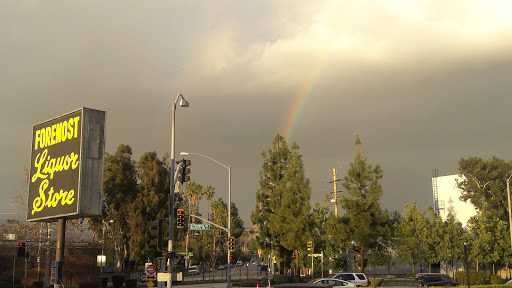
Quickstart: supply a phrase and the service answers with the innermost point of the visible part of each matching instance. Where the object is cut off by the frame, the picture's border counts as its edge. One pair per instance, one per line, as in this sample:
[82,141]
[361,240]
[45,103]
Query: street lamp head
[184,153]
[184,103]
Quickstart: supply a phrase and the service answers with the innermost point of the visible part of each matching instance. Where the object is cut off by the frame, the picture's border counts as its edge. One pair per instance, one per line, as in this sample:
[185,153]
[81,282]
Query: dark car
[400,283]
[434,279]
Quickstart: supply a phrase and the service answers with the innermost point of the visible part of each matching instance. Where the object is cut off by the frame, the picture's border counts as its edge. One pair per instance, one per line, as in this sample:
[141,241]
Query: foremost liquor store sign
[66,173]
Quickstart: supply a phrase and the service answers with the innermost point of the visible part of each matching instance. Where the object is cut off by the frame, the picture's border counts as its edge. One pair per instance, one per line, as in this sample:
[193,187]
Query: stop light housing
[310,245]
[21,249]
[180,219]
[231,244]
[155,234]
[185,170]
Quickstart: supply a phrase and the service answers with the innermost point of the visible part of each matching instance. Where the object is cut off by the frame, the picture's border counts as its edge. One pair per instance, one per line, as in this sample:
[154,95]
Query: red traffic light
[230,258]
[231,244]
[180,211]
[21,244]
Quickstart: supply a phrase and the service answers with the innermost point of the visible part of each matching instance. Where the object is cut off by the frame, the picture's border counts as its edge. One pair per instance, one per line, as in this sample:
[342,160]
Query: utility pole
[335,193]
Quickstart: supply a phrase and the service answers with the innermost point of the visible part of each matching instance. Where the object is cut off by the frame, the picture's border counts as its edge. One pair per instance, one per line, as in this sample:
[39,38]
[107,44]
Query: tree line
[136,193]
[286,221]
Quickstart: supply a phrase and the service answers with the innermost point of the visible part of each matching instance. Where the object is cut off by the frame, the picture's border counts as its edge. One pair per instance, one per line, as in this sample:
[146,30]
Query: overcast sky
[425,83]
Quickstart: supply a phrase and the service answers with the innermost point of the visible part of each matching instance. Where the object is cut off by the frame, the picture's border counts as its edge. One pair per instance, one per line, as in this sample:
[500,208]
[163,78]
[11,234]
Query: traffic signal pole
[171,198]
[183,103]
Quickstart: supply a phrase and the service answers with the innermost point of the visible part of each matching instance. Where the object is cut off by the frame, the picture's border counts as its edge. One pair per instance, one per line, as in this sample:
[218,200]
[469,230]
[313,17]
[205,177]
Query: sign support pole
[59,257]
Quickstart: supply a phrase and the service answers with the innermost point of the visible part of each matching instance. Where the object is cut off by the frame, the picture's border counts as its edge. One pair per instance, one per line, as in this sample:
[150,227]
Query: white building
[448,199]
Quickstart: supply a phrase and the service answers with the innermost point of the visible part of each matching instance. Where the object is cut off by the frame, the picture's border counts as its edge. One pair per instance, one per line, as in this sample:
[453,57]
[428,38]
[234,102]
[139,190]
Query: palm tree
[209,192]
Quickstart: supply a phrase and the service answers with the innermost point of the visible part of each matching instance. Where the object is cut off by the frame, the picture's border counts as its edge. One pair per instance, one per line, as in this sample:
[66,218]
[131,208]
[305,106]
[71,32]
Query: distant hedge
[475,277]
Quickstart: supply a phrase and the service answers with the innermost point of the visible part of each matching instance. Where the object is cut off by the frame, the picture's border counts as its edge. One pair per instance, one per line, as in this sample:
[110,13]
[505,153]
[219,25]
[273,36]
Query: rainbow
[302,99]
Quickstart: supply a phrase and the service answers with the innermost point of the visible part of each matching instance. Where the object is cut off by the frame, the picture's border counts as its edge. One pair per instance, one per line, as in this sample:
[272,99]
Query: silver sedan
[333,282]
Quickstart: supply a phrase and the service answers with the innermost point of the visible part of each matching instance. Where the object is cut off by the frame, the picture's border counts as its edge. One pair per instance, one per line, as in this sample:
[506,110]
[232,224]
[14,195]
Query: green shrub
[130,283]
[236,284]
[117,281]
[475,277]
[38,284]
[89,284]
[282,278]
[496,279]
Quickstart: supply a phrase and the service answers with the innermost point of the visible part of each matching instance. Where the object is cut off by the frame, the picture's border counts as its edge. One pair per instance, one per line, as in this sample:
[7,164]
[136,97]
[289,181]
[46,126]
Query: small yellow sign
[259,251]
[151,284]
[151,277]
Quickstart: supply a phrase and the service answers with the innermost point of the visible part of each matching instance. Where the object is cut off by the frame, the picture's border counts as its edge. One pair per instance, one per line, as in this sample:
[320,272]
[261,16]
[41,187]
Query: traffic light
[231,244]
[310,245]
[181,218]
[230,258]
[185,170]
[155,234]
[21,249]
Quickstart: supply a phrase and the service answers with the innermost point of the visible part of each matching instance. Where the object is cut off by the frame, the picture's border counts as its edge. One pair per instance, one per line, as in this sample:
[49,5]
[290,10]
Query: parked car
[509,282]
[193,270]
[222,267]
[239,263]
[359,279]
[335,283]
[303,285]
[434,279]
[400,283]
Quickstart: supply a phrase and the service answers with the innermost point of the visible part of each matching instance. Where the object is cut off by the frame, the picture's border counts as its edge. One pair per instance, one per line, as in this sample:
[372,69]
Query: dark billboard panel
[66,171]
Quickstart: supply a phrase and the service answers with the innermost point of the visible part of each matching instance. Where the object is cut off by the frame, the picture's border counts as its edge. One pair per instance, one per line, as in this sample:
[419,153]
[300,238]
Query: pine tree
[451,247]
[364,219]
[282,202]
[150,204]
[433,238]
[410,232]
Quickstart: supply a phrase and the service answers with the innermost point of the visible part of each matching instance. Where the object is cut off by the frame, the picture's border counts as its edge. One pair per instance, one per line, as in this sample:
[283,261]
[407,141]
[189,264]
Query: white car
[359,279]
[335,283]
[193,270]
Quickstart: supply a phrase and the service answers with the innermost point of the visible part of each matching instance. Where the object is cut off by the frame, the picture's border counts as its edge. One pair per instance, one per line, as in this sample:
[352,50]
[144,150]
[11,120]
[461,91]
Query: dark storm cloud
[424,85]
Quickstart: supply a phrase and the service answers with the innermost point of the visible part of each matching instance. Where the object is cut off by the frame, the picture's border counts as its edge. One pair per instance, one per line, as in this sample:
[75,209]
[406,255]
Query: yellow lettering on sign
[46,165]
[65,197]
[38,138]
[57,133]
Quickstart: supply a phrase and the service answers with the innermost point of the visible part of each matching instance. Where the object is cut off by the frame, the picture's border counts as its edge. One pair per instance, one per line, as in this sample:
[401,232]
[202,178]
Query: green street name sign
[199,226]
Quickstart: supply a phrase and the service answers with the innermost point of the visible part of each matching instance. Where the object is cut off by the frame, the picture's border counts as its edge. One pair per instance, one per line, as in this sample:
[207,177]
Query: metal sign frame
[66,171]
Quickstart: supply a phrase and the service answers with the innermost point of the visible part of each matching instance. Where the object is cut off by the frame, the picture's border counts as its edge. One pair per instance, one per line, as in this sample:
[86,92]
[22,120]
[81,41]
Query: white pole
[509,209]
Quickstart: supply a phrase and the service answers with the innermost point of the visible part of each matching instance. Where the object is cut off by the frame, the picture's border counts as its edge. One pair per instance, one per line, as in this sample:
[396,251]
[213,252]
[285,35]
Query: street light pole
[229,206]
[509,209]
[183,103]
[229,226]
